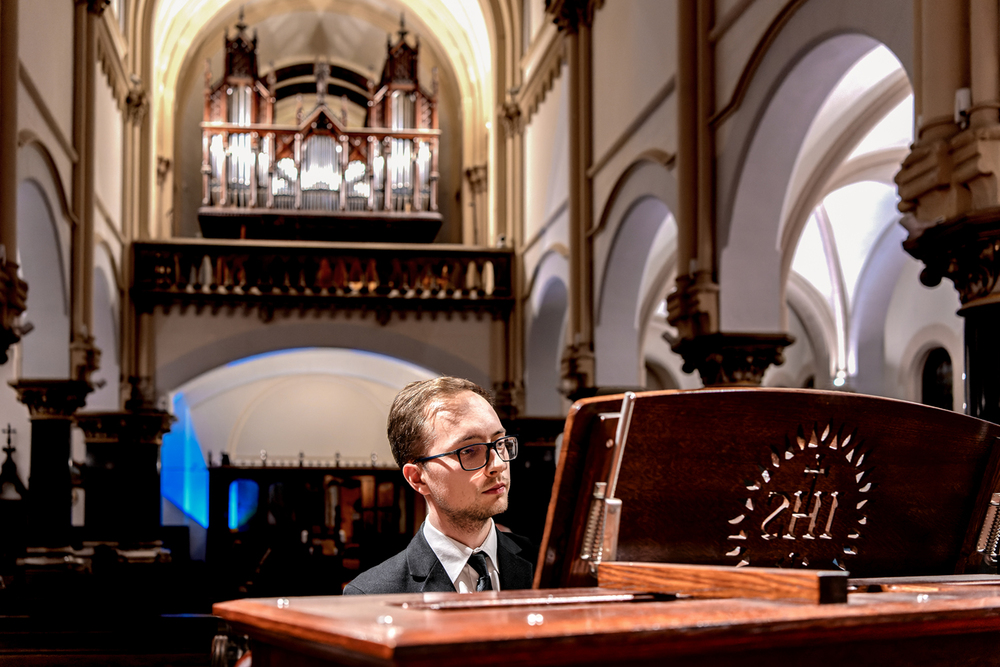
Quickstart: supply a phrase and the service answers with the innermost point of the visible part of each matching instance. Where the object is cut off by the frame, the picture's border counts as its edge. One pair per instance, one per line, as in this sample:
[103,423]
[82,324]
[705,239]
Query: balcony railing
[307,276]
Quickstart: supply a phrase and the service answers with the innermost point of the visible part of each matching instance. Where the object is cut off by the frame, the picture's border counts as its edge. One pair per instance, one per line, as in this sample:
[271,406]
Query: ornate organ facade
[319,178]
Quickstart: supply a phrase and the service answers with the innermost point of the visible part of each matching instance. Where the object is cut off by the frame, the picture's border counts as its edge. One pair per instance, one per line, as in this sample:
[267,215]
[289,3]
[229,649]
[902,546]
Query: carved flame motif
[808,505]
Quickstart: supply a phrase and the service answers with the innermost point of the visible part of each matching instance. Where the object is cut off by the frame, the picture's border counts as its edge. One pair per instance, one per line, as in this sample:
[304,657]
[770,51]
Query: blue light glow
[183,473]
[243,495]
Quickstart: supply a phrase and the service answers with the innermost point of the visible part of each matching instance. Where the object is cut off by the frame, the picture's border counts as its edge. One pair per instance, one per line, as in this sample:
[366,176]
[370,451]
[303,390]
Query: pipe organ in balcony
[319,178]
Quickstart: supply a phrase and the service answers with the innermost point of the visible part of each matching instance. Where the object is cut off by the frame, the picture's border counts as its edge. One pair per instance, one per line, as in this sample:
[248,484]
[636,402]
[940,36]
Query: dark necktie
[478,563]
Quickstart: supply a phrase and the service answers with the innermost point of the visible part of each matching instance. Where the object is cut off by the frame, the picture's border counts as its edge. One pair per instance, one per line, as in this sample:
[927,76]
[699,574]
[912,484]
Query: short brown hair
[407,423]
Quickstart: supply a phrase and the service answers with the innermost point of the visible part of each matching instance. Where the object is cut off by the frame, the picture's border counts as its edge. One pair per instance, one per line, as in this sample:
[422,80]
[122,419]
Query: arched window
[936,383]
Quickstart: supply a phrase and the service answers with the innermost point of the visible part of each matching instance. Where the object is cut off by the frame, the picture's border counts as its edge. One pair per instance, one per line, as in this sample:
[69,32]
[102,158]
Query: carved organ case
[319,178]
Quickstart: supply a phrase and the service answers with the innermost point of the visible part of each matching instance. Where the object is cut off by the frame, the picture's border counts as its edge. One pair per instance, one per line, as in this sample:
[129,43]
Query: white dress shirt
[454,556]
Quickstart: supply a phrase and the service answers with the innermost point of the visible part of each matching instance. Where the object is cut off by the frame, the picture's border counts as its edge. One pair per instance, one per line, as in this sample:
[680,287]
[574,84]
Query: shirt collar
[453,554]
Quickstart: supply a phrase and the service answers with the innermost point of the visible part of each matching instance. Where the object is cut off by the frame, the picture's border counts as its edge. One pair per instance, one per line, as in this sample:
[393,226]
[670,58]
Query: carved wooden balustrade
[312,276]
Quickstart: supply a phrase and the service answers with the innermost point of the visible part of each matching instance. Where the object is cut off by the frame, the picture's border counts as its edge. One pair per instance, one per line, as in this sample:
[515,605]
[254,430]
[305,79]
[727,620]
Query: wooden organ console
[318,177]
[735,526]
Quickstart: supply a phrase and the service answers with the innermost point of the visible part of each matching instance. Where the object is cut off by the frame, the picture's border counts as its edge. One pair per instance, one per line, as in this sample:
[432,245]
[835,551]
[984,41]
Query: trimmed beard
[469,519]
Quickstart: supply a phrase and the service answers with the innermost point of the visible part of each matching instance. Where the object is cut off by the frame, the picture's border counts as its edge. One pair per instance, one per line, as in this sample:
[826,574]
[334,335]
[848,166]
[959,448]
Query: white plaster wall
[190,344]
[317,402]
[800,360]
[44,350]
[107,152]
[546,160]
[45,42]
[918,319]
[106,337]
[628,72]
[535,18]
[737,44]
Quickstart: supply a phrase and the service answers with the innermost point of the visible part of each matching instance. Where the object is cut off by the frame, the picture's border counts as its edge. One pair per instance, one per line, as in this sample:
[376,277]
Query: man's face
[465,498]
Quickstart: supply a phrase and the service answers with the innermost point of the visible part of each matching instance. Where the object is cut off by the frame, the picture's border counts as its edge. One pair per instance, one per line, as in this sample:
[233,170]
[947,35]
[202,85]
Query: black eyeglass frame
[489,446]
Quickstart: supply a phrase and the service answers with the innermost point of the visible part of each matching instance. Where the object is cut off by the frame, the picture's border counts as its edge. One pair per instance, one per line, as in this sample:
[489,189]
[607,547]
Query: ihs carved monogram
[808,505]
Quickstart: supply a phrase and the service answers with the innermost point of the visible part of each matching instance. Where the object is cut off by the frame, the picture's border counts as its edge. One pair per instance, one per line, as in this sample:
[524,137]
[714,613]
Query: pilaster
[13,290]
[574,18]
[949,184]
[51,404]
[122,472]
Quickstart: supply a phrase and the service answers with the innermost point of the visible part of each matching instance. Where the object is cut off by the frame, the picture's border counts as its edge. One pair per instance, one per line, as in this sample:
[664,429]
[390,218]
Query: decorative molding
[125,427]
[965,250]
[732,358]
[476,176]
[729,19]
[661,96]
[510,115]
[549,221]
[112,66]
[693,307]
[52,399]
[534,90]
[13,301]
[43,109]
[569,15]
[509,398]
[136,101]
[577,371]
[84,358]
[754,61]
[96,7]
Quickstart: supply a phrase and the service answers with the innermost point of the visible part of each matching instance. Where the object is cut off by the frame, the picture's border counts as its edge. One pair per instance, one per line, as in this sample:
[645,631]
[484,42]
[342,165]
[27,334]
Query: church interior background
[232,230]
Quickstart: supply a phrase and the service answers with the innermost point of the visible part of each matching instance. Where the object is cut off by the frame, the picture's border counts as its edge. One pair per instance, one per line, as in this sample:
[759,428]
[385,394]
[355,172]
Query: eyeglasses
[476,456]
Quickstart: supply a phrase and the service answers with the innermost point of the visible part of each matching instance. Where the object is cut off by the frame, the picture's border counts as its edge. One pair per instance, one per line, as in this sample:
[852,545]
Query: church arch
[822,39]
[45,348]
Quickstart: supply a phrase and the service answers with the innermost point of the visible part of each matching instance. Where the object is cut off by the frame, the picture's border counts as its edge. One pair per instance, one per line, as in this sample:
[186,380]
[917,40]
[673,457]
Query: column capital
[578,372]
[125,426]
[570,15]
[95,7]
[13,300]
[509,398]
[732,358]
[52,399]
[965,250]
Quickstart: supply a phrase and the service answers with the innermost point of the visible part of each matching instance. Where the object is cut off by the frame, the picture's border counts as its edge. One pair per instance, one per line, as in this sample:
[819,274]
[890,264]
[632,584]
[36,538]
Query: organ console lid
[807,480]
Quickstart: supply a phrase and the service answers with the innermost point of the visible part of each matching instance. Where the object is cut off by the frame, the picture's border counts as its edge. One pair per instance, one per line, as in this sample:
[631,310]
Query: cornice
[542,77]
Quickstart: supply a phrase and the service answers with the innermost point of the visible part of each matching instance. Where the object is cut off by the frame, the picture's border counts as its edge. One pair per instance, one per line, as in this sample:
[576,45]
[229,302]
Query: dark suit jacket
[418,570]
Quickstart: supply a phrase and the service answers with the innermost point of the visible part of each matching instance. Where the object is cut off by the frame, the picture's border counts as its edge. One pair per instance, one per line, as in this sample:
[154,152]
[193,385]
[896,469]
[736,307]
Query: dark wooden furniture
[777,477]
[948,626]
[809,480]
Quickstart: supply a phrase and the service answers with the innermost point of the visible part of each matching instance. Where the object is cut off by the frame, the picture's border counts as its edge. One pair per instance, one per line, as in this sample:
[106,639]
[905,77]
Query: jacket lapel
[515,571]
[427,575]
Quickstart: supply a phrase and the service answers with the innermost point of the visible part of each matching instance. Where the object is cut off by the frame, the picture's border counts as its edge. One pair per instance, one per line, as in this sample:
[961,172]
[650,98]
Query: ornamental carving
[13,299]
[141,427]
[569,15]
[732,359]
[52,399]
[807,506]
[965,251]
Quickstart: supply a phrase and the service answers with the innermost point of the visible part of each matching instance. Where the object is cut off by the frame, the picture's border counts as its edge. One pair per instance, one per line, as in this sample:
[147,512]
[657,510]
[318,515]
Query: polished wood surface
[776,477]
[949,625]
[720,581]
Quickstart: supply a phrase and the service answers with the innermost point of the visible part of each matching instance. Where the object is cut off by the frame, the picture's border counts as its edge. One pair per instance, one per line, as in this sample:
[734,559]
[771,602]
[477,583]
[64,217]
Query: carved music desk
[760,501]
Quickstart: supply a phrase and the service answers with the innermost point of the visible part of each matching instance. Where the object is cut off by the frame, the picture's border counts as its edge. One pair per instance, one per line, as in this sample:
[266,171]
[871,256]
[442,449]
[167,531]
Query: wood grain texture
[708,581]
[714,477]
[955,626]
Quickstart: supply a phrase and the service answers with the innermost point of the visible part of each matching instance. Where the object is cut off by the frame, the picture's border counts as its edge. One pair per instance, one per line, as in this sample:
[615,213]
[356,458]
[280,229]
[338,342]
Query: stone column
[122,473]
[949,184]
[721,358]
[84,356]
[51,404]
[574,18]
[13,290]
